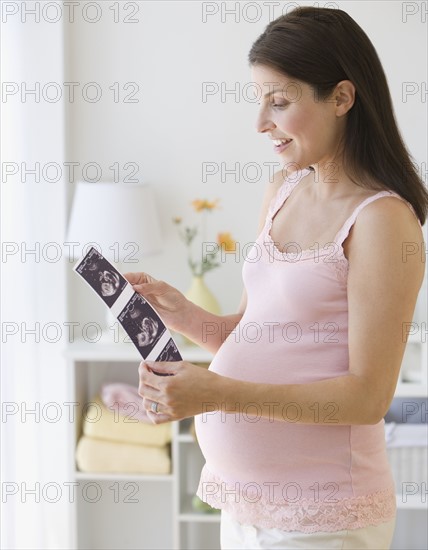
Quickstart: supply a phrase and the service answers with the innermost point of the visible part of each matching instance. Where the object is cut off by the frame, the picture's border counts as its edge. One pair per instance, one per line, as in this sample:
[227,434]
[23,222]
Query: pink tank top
[293,476]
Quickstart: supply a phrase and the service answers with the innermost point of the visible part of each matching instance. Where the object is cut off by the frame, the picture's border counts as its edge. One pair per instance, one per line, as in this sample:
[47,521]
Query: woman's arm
[206,329]
[383,285]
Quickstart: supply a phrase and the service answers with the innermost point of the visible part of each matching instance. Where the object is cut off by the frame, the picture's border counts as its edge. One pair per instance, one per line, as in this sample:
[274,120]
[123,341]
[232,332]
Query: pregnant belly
[254,450]
[244,446]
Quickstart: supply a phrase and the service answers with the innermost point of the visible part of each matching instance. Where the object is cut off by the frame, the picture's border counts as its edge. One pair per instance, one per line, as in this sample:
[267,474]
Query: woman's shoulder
[385,208]
[387,225]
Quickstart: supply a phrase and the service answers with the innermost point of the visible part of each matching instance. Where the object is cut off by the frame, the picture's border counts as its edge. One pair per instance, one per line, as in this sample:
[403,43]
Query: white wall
[171,132]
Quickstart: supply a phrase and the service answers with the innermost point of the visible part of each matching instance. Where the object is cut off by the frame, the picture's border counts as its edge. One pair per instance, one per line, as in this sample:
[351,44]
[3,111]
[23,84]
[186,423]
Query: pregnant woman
[289,416]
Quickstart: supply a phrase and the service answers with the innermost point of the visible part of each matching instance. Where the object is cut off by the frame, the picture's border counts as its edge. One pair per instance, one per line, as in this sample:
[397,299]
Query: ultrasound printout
[138,318]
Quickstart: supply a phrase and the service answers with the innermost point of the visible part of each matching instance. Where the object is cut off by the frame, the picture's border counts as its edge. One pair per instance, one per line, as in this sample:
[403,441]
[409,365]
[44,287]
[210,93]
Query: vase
[201,295]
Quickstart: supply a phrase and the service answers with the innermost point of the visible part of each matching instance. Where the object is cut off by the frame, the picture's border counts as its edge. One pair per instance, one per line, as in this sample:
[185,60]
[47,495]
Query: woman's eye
[279,105]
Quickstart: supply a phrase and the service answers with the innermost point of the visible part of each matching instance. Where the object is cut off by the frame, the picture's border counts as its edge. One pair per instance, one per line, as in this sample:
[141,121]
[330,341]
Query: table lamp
[119,219]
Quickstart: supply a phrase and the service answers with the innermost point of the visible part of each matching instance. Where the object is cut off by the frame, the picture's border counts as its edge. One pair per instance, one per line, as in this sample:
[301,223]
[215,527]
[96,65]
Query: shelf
[186,438]
[108,350]
[188,514]
[122,477]
[411,389]
[414,502]
[201,518]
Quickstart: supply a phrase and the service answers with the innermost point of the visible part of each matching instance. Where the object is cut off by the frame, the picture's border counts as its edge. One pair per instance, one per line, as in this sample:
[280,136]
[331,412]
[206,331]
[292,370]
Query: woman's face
[290,110]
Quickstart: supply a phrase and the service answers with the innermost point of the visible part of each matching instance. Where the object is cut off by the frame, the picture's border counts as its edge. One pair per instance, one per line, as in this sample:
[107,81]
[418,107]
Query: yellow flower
[204,204]
[177,220]
[226,241]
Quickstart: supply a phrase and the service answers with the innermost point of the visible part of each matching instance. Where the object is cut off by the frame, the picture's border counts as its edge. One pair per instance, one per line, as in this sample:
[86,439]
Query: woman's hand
[191,390]
[169,302]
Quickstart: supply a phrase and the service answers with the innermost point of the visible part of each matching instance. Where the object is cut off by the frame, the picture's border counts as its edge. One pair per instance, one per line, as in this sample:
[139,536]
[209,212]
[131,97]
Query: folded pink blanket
[125,399]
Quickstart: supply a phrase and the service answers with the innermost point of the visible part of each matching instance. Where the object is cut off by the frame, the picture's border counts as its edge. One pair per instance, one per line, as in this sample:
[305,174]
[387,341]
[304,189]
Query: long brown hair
[321,47]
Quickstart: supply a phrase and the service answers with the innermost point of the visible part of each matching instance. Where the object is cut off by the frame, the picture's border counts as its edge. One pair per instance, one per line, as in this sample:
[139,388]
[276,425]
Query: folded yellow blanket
[97,455]
[103,423]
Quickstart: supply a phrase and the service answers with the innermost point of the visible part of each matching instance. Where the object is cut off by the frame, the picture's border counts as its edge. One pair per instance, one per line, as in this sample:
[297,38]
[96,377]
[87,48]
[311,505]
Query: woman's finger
[158,418]
[150,395]
[132,278]
[147,377]
[136,278]
[147,288]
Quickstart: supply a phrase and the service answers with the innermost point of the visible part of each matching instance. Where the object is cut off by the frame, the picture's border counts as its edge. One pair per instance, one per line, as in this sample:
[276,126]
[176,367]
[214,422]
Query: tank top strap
[346,227]
[284,191]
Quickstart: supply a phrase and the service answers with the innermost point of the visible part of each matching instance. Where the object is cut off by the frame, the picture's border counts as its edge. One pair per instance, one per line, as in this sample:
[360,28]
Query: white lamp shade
[119,219]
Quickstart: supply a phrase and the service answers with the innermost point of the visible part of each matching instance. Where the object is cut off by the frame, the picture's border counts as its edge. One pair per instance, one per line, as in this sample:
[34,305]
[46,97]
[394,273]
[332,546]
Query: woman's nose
[263,124]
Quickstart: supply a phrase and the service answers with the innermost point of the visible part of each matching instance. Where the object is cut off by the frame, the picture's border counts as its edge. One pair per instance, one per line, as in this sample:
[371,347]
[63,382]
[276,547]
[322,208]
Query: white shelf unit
[134,511]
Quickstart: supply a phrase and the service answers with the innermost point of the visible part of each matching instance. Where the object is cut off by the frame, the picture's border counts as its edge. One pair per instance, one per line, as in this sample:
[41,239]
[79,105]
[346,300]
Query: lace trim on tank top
[331,254]
[305,515]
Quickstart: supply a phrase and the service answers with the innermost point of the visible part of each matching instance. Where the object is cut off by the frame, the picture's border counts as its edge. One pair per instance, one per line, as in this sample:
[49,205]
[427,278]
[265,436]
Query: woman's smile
[279,145]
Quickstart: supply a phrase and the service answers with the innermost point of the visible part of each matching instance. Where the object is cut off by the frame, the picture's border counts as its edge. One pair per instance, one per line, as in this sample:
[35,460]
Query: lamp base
[201,295]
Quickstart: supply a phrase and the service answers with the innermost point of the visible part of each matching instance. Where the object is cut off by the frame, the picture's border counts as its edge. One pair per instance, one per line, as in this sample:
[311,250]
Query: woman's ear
[343,97]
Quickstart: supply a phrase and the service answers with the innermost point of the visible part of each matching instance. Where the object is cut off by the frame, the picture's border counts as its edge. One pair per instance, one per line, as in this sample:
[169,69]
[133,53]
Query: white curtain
[34,446]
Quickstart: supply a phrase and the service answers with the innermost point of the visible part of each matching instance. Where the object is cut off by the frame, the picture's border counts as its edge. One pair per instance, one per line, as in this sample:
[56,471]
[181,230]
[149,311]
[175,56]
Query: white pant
[234,536]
